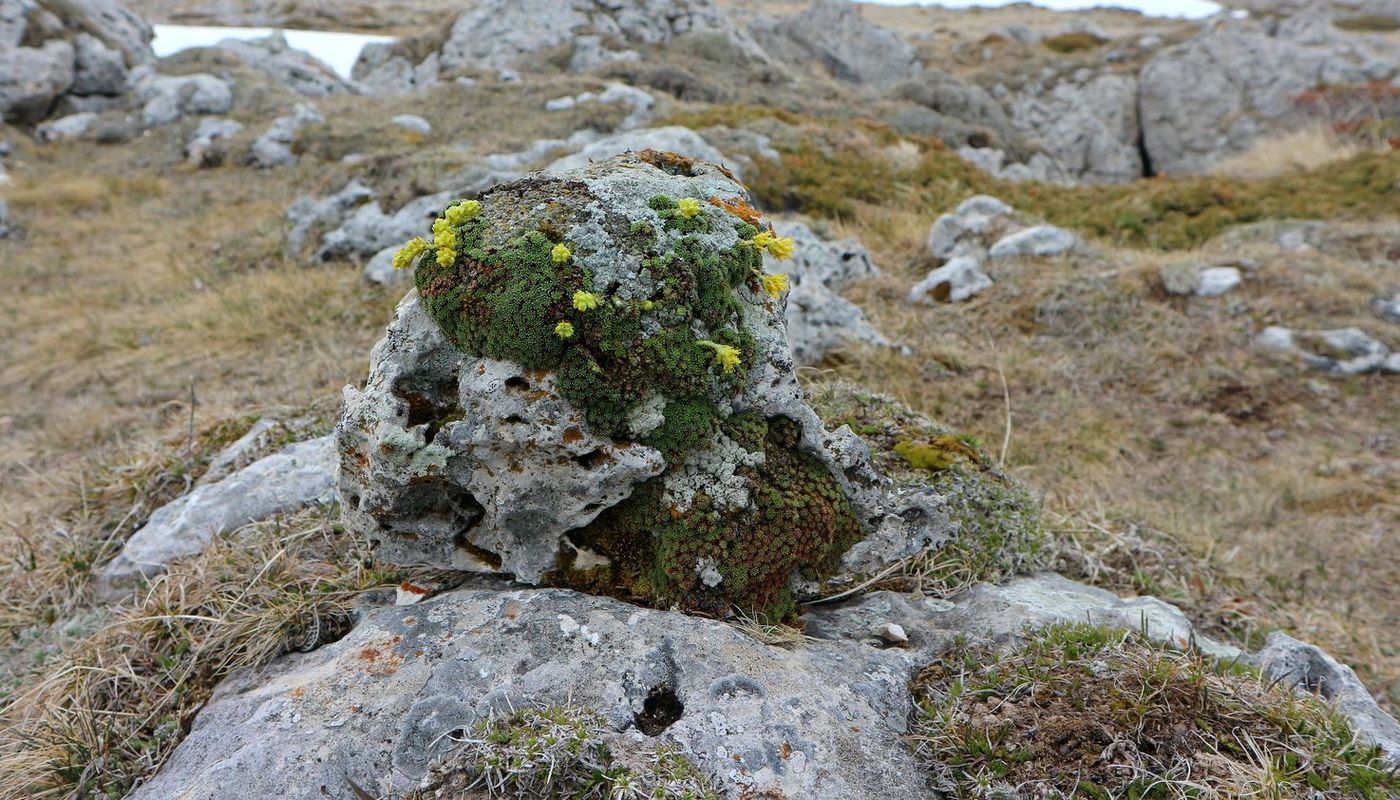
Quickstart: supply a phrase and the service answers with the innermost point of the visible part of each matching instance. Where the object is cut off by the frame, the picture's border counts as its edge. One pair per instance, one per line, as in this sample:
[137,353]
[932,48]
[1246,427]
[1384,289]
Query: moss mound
[1080,711]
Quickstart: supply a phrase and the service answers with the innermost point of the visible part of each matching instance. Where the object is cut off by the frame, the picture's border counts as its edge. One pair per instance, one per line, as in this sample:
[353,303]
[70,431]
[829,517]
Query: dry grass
[1078,711]
[1296,151]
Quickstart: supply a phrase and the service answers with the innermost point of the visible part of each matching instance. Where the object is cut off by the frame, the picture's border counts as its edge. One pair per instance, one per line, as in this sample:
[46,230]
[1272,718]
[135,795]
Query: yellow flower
[779,248]
[446,256]
[725,356]
[410,251]
[444,237]
[461,211]
[564,330]
[782,248]
[775,285]
[560,253]
[688,207]
[585,301]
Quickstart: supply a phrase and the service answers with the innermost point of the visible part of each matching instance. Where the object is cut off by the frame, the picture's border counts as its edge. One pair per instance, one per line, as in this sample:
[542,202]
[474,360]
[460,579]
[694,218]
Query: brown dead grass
[1293,152]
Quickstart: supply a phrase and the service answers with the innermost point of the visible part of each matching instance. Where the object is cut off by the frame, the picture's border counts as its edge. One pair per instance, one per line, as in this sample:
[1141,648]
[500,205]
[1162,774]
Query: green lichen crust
[513,293]
[745,553]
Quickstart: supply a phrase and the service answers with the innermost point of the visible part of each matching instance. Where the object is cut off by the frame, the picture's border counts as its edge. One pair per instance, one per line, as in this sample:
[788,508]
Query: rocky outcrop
[823,718]
[819,319]
[167,98]
[1216,94]
[593,385]
[833,36]
[51,49]
[295,69]
[498,34]
[1086,121]
[209,145]
[1341,351]
[274,147]
[298,476]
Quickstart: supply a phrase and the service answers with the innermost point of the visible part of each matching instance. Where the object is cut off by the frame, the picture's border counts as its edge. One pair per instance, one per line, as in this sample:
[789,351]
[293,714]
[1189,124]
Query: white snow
[339,50]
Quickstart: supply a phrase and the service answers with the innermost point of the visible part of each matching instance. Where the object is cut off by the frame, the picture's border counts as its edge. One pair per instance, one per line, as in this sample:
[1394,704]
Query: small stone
[1215,281]
[414,123]
[892,634]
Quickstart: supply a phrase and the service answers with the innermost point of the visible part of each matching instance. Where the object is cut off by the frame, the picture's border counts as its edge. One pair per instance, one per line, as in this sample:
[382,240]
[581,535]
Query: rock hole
[590,459]
[660,711]
[517,382]
[514,419]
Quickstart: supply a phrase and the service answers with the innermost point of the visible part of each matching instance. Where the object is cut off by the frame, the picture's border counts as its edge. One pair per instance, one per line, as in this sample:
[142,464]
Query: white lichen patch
[715,471]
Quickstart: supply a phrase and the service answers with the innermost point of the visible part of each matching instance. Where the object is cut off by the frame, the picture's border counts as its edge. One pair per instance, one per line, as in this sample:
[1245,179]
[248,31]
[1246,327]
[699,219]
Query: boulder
[368,229]
[833,35]
[974,217]
[168,98]
[592,385]
[306,212]
[32,78]
[1201,280]
[97,68]
[672,138]
[295,69]
[298,476]
[1086,122]
[274,147]
[956,281]
[1039,241]
[73,126]
[819,319]
[380,268]
[1341,351]
[824,718]
[208,146]
[1217,93]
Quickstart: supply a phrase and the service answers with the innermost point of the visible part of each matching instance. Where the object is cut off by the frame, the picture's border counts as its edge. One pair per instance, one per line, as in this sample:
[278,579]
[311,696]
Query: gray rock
[301,475]
[1039,167]
[167,98]
[295,69]
[1341,351]
[1040,241]
[1200,280]
[1309,669]
[834,35]
[1388,307]
[98,69]
[306,212]
[1214,95]
[956,281]
[4,214]
[73,126]
[380,269]
[1087,123]
[974,217]
[819,319]
[112,23]
[477,464]
[824,721]
[368,229]
[209,145]
[32,78]
[413,122]
[1215,281]
[274,147]
[381,69]
[672,138]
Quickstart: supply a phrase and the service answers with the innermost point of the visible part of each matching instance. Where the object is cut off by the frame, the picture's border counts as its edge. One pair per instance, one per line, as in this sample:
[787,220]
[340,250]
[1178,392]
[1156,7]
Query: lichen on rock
[592,387]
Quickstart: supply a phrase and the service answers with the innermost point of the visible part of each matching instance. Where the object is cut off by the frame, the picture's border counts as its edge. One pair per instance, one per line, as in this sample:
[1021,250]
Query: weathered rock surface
[499,34]
[167,98]
[1039,241]
[958,280]
[1341,351]
[819,319]
[824,718]
[456,459]
[209,145]
[833,36]
[298,70]
[1086,121]
[51,50]
[305,212]
[73,126]
[274,147]
[671,138]
[1216,94]
[1201,280]
[298,476]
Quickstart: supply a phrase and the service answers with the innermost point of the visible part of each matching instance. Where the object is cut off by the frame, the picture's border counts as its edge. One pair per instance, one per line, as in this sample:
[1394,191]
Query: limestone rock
[819,319]
[380,268]
[97,68]
[274,147]
[208,146]
[976,216]
[306,212]
[295,69]
[167,98]
[32,78]
[956,281]
[1388,307]
[1215,94]
[298,476]
[413,122]
[1039,241]
[368,229]
[1086,122]
[73,126]
[834,35]
[1341,351]
[672,138]
[514,433]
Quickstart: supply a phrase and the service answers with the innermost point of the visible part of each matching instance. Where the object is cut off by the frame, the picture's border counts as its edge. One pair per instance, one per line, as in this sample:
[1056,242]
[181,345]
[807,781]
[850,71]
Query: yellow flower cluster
[775,285]
[585,301]
[445,240]
[688,207]
[778,247]
[726,357]
[410,251]
[461,211]
[560,253]
[564,330]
